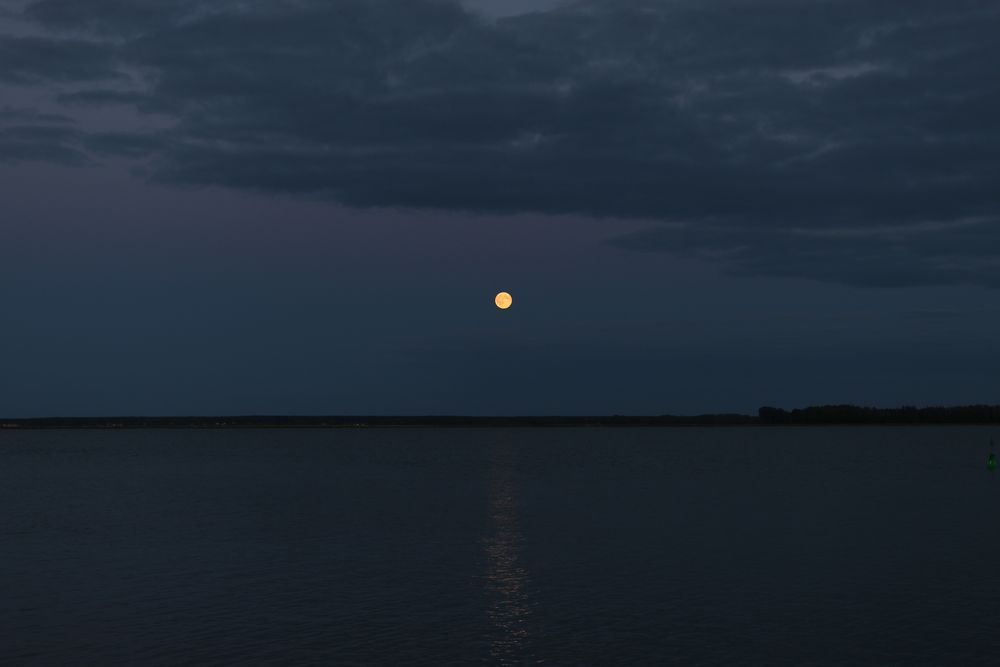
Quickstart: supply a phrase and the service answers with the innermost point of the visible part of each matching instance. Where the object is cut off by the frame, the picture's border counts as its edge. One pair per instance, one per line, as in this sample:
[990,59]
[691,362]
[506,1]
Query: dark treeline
[854,414]
[767,416]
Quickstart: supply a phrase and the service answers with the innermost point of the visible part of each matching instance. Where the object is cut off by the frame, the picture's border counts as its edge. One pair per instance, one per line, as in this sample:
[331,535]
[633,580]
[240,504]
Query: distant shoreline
[828,415]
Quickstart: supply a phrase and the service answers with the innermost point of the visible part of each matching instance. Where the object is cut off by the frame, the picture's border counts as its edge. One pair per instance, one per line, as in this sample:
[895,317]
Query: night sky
[307,207]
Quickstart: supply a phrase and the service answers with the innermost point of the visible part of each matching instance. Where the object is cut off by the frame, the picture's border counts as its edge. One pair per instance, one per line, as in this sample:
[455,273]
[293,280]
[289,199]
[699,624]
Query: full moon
[504,300]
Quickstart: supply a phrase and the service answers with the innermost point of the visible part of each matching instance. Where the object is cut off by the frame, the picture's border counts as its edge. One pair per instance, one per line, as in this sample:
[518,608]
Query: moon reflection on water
[509,608]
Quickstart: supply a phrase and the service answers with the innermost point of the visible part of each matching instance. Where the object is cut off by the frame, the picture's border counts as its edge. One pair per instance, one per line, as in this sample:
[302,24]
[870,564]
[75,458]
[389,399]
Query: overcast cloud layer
[847,141]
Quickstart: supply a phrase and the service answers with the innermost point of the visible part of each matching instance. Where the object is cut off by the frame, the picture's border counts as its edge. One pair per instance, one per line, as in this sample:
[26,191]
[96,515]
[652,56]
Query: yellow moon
[504,300]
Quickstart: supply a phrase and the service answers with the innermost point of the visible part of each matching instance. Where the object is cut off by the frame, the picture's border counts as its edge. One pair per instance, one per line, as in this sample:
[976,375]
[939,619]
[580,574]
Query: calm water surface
[555,546]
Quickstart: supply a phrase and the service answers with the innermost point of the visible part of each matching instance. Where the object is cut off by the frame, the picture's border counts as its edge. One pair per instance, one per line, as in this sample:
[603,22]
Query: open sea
[695,546]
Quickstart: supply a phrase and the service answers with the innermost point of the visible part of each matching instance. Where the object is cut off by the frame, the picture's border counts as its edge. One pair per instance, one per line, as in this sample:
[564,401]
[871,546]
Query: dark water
[698,546]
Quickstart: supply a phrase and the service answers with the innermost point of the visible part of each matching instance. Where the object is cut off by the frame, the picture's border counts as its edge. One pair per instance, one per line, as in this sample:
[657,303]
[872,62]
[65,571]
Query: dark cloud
[124,144]
[782,137]
[113,17]
[10,114]
[28,60]
[103,97]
